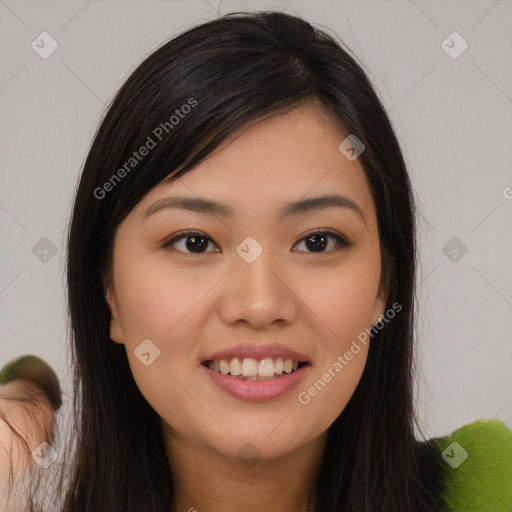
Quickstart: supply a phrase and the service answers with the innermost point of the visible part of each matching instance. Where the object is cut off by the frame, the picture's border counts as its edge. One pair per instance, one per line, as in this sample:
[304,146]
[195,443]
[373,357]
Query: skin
[28,410]
[194,304]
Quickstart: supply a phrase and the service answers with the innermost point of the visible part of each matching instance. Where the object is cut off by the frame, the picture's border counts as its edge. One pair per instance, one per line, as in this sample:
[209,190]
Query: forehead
[274,161]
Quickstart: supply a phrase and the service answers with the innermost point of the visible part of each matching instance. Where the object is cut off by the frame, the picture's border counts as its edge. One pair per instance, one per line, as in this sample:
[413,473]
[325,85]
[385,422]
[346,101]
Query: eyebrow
[208,206]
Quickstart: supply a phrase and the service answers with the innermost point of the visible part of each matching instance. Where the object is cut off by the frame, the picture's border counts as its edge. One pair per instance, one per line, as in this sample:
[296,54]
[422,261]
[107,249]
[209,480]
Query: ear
[379,306]
[384,288]
[116,332]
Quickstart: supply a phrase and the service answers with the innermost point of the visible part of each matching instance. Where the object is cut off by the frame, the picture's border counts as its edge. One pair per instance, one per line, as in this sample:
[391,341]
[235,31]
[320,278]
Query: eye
[195,241]
[318,240]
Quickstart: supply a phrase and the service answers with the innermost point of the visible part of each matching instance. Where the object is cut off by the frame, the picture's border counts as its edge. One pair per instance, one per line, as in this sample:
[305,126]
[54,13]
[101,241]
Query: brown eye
[195,242]
[316,242]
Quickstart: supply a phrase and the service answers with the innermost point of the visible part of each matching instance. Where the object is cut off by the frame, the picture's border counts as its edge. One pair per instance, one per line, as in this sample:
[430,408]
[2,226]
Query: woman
[241,268]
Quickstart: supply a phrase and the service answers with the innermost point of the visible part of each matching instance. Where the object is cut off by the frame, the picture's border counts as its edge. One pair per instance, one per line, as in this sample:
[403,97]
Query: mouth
[251,369]
[258,378]
[258,373]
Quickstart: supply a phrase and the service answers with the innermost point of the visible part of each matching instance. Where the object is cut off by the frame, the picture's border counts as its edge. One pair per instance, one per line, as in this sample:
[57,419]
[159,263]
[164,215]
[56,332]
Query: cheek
[160,303]
[157,304]
[344,303]
[153,296]
[344,300]
[325,396]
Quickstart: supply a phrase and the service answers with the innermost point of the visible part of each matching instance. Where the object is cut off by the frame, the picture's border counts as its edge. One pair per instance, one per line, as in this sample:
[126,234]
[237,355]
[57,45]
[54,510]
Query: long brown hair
[239,69]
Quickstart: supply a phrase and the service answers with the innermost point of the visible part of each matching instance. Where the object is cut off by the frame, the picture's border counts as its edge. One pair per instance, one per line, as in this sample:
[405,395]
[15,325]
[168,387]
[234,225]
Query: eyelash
[340,240]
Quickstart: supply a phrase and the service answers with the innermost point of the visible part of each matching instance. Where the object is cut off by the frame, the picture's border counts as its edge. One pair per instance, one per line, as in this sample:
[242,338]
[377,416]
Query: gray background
[452,115]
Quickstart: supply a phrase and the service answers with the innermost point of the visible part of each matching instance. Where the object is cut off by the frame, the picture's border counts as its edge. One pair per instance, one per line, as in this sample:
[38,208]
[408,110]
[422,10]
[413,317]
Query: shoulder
[478,473]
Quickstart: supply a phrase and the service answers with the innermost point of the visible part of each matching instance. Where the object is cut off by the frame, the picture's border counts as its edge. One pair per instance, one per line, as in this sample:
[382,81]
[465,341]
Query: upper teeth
[249,367]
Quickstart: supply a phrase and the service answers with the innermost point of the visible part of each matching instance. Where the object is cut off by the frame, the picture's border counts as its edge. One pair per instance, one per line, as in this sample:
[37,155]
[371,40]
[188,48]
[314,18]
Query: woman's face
[251,289]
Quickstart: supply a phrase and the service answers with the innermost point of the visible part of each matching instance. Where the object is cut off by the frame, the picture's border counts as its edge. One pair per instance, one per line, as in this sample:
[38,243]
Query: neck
[206,481]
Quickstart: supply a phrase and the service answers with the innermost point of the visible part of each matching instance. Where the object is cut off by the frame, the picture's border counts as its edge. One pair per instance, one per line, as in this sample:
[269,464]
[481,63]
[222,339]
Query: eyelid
[326,231]
[176,237]
[341,240]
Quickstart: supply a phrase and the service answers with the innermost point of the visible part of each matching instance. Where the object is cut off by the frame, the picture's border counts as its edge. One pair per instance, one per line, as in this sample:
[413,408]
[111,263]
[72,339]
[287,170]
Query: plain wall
[452,116]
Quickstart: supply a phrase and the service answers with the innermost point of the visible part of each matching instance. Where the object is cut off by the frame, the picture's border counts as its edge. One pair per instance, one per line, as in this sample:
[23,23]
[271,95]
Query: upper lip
[258,352]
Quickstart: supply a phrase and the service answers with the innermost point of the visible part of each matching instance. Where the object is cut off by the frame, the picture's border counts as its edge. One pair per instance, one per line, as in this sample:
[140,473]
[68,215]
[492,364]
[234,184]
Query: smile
[248,368]
[252,386]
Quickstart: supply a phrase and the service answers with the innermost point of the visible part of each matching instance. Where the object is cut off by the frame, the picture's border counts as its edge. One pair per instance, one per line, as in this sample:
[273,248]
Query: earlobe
[116,331]
[379,308]
[115,327]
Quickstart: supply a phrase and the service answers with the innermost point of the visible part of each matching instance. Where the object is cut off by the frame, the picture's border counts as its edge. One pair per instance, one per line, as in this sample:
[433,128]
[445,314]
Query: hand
[27,417]
[36,370]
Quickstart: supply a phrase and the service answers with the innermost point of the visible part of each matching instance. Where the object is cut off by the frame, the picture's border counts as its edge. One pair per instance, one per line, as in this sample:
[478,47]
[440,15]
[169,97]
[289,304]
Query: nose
[259,293]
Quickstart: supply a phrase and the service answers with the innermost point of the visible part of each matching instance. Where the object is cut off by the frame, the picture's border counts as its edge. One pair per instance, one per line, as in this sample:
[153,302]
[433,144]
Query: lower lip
[257,390]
